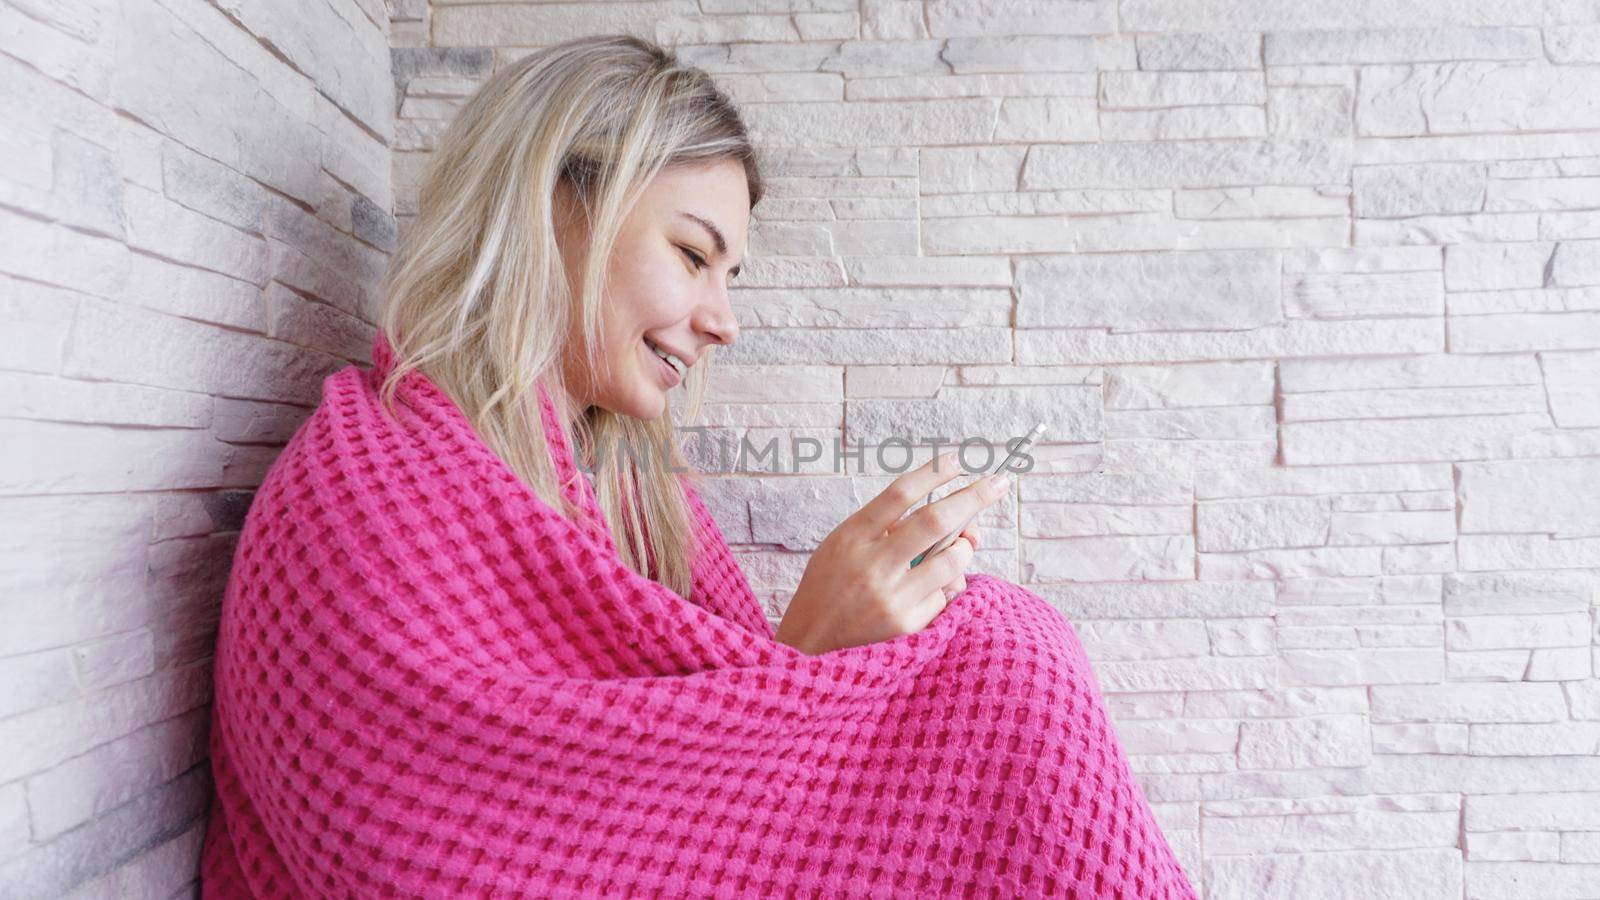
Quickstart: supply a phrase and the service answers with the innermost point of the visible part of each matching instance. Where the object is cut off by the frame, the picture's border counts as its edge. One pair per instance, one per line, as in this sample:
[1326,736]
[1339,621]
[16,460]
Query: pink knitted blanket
[429,683]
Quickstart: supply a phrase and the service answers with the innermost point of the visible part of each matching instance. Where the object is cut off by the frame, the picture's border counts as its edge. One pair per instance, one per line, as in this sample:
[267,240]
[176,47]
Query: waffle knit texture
[430,683]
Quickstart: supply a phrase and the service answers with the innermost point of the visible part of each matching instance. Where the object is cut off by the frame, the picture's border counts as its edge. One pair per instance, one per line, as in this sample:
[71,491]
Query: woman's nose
[717,319]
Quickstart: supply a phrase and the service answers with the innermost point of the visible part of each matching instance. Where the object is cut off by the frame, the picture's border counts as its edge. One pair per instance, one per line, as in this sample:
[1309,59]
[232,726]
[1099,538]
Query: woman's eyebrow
[717,239]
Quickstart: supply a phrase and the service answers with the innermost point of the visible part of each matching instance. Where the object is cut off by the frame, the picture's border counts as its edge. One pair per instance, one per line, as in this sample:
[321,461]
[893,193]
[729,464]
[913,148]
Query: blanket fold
[430,683]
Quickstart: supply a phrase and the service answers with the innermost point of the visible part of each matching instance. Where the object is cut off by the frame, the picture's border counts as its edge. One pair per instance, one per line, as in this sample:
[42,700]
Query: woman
[448,665]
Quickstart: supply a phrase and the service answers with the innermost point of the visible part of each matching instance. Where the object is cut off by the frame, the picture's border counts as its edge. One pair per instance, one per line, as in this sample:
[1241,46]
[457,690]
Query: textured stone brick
[1376,873]
[1047,119]
[1199,51]
[1574,43]
[956,18]
[1298,48]
[1301,337]
[54,255]
[985,416]
[1395,440]
[875,308]
[1194,385]
[1545,496]
[1262,202]
[1305,743]
[506,25]
[1122,639]
[1468,703]
[1575,263]
[957,121]
[1345,295]
[1443,737]
[1161,292]
[1419,189]
[1309,111]
[1229,525]
[1513,845]
[1183,123]
[1154,89]
[1502,266]
[944,346]
[1042,53]
[1475,96]
[1185,674]
[1489,552]
[1575,810]
[1524,332]
[1390,403]
[1186,164]
[1572,381]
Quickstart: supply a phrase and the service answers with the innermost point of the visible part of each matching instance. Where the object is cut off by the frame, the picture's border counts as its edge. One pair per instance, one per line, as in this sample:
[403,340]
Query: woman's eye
[697,259]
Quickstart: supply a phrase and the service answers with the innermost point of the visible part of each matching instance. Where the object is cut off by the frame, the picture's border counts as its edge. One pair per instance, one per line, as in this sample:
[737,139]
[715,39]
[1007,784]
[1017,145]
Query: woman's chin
[648,405]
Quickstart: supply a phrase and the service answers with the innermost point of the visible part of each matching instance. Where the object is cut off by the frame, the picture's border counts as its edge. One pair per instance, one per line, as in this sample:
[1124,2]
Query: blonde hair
[477,296]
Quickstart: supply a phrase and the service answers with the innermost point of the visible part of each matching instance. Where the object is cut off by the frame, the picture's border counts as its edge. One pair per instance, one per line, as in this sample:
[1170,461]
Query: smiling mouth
[673,365]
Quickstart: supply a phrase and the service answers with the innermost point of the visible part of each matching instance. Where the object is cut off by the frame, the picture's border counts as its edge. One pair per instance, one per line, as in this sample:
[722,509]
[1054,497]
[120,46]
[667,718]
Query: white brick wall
[1310,296]
[195,204]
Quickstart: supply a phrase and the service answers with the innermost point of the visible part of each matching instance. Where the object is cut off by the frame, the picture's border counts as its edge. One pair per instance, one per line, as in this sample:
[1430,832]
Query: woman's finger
[934,572]
[883,512]
[930,606]
[959,583]
[955,587]
[928,526]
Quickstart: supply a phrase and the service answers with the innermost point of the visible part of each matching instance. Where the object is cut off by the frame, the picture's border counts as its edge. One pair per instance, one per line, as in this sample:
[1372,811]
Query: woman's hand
[859,587]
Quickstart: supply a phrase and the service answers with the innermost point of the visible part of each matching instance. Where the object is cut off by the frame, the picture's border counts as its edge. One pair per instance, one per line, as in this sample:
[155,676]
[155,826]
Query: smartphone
[1005,466]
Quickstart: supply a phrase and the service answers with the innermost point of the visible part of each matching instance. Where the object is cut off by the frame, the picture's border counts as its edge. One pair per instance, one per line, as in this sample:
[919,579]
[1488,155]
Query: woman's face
[668,284]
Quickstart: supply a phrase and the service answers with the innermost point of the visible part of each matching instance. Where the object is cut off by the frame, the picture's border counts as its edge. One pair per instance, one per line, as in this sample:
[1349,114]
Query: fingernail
[999,484]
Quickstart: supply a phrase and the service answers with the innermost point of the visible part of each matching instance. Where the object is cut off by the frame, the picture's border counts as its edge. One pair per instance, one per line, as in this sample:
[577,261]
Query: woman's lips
[671,375]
